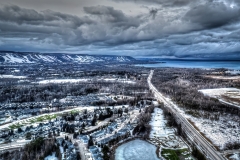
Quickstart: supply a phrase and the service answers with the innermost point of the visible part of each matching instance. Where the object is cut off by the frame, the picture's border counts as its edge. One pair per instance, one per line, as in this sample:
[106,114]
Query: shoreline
[228,65]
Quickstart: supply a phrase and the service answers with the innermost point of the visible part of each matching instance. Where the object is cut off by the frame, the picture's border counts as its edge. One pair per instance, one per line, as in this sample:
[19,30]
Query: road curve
[209,151]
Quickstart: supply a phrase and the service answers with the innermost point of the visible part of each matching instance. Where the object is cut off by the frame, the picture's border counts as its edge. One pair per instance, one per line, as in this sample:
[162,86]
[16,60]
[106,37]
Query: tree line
[182,86]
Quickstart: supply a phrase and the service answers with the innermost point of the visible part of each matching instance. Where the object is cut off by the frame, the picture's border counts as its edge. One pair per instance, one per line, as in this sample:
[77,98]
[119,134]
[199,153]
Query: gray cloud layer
[179,28]
[165,3]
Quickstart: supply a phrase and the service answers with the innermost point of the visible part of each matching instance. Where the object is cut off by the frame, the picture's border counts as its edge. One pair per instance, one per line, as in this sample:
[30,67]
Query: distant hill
[20,57]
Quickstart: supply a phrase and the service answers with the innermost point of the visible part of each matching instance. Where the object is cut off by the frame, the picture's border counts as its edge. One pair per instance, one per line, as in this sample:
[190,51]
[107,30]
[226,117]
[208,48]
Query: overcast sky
[167,28]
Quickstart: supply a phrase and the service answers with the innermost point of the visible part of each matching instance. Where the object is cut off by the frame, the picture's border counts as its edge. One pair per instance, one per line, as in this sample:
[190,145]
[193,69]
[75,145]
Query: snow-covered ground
[13,59]
[163,135]
[12,76]
[219,91]
[60,58]
[63,81]
[61,150]
[234,72]
[235,157]
[220,132]
[84,80]
[158,123]
[225,77]
[230,96]
[51,157]
[136,150]
[118,80]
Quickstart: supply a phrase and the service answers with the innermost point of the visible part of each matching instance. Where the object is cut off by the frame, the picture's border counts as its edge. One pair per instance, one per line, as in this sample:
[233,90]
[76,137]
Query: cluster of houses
[45,129]
[10,112]
[86,100]
[17,111]
[76,122]
[68,150]
[120,128]
[69,123]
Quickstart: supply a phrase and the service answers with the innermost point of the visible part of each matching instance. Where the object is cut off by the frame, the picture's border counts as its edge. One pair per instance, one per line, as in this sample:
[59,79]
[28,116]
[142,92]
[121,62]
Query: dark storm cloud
[112,16]
[55,27]
[176,28]
[165,3]
[116,15]
[13,13]
[212,14]
[46,26]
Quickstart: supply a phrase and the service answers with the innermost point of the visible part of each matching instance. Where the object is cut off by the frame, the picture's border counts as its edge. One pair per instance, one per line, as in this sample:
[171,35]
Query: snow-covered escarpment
[19,57]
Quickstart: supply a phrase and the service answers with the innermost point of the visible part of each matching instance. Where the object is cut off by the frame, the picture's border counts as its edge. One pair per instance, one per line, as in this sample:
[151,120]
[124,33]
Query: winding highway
[207,148]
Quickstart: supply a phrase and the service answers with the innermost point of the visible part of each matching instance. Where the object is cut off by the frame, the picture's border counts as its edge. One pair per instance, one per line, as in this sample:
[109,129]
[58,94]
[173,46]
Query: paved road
[197,138]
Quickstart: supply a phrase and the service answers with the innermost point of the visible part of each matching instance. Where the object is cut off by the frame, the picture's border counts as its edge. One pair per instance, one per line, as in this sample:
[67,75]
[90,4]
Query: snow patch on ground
[218,91]
[12,76]
[23,140]
[229,96]
[84,80]
[220,132]
[158,123]
[233,72]
[235,156]
[51,157]
[10,58]
[63,81]
[45,58]
[118,80]
[224,77]
[163,135]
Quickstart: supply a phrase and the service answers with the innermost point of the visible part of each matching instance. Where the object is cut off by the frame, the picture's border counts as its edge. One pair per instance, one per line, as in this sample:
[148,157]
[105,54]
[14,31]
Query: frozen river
[136,150]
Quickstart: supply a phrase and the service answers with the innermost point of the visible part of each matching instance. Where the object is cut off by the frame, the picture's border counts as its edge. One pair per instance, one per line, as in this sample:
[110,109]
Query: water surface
[235,65]
[136,150]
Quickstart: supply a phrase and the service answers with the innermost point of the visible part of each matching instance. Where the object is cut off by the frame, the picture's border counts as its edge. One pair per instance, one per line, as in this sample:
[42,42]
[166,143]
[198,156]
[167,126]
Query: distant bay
[235,65]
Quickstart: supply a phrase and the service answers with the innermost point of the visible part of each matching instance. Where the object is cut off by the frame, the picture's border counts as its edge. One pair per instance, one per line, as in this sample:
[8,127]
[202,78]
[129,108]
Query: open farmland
[226,95]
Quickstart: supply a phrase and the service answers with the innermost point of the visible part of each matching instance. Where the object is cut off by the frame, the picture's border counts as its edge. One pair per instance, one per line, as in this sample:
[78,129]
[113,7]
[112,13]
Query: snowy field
[158,124]
[63,81]
[220,132]
[136,150]
[12,76]
[163,135]
[224,130]
[118,80]
[84,80]
[226,95]
[225,77]
[218,92]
